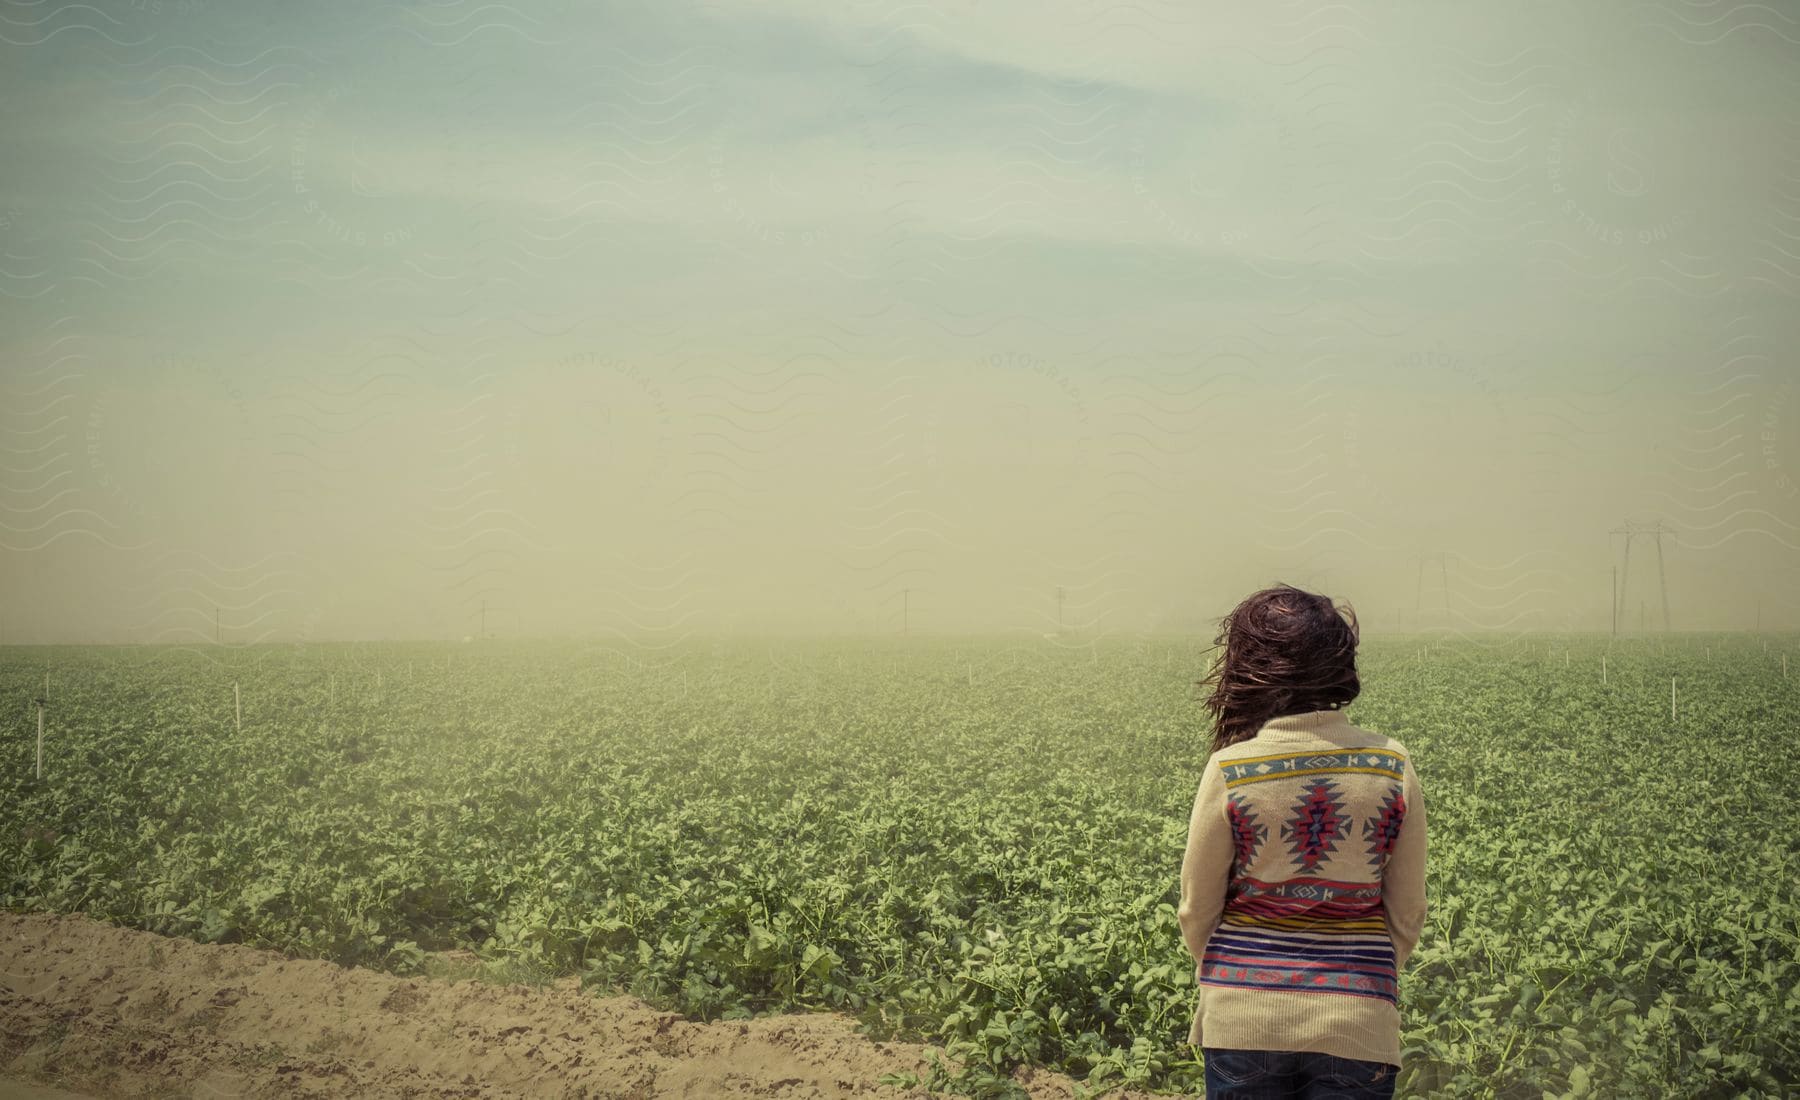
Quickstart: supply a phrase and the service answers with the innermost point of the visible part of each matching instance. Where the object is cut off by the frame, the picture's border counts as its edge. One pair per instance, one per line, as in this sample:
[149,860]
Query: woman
[1303,883]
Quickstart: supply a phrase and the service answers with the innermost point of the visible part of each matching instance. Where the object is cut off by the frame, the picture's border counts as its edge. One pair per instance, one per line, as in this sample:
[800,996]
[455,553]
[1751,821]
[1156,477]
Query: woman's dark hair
[1287,651]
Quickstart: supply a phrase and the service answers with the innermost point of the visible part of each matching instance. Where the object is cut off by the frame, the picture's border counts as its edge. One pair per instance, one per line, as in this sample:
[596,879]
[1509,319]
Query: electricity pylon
[1444,574]
[1631,531]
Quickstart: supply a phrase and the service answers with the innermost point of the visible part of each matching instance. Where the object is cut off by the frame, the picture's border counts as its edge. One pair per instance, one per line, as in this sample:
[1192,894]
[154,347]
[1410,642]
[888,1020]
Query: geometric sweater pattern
[1303,889]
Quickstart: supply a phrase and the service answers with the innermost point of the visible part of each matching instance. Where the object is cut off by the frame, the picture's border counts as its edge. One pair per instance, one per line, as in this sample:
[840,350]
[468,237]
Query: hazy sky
[663,319]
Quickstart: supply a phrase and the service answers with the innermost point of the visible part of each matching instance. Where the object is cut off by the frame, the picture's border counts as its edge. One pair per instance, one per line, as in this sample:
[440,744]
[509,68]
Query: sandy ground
[25,1090]
[109,1012]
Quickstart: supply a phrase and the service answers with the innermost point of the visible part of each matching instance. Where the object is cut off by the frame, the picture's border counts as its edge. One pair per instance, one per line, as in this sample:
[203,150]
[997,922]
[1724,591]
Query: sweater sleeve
[1206,865]
[1403,881]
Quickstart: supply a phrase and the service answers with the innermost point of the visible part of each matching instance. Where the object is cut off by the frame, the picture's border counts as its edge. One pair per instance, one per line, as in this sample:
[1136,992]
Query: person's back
[1302,891]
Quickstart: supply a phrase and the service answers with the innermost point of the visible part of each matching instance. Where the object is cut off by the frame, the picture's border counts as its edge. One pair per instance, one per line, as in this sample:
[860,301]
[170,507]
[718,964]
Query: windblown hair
[1287,651]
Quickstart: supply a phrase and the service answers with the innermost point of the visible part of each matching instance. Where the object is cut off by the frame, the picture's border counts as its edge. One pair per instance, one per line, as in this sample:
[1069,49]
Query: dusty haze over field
[805,317]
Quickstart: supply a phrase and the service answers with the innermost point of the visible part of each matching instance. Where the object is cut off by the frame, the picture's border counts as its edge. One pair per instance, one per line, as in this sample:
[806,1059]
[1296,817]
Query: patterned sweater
[1303,889]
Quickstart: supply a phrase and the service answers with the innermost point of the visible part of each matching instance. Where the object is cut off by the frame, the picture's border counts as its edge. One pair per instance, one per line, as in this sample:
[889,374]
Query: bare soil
[108,1012]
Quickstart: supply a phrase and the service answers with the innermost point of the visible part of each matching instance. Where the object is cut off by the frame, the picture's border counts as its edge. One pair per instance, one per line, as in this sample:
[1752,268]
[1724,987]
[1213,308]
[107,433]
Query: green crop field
[974,843]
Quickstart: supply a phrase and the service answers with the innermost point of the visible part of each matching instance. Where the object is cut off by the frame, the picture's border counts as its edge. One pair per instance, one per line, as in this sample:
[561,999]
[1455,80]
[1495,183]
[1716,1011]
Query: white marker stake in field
[1603,669]
[237,704]
[40,758]
[1671,697]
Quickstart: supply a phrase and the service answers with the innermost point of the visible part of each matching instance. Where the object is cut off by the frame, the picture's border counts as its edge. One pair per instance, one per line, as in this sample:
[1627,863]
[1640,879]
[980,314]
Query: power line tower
[484,634]
[1444,579]
[1631,531]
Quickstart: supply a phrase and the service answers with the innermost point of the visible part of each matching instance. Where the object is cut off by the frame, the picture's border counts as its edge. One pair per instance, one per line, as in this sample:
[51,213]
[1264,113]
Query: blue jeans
[1294,1075]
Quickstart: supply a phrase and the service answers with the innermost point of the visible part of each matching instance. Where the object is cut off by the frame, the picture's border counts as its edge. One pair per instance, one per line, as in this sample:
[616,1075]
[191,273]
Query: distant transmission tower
[484,634]
[1444,575]
[1631,531]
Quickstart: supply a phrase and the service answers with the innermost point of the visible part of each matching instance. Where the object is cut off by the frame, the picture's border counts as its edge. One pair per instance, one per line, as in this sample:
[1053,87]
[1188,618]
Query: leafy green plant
[972,844]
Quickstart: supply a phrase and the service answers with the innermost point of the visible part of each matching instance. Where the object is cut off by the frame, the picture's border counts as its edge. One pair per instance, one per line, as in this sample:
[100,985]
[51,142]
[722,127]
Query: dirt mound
[110,1011]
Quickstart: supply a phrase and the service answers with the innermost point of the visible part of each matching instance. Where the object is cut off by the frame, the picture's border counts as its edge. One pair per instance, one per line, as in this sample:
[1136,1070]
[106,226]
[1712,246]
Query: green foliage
[971,844]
